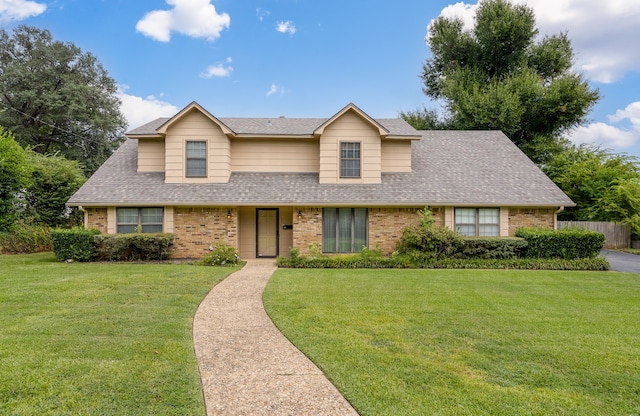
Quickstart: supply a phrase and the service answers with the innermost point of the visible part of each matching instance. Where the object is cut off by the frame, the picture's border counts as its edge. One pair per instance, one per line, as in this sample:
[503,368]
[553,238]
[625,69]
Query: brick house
[266,185]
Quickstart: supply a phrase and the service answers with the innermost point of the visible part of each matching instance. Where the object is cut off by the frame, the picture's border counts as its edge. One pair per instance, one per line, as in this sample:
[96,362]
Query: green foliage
[25,238]
[426,119]
[492,248]
[221,255]
[14,176]
[418,260]
[53,180]
[568,243]
[133,247]
[56,98]
[498,77]
[74,244]
[429,239]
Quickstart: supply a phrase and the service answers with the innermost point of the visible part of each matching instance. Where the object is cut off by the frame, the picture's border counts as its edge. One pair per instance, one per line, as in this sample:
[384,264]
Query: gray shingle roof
[449,168]
[279,126]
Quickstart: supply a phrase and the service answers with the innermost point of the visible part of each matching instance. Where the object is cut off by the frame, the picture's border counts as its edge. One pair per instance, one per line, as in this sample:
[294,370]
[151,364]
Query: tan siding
[286,236]
[247,232]
[350,127]
[112,221]
[195,126]
[275,155]
[151,155]
[168,220]
[396,156]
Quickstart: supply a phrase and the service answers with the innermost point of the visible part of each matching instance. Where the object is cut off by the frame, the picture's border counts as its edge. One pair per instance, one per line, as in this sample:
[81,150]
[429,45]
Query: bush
[24,239]
[134,247]
[221,255]
[74,244]
[429,239]
[568,243]
[492,248]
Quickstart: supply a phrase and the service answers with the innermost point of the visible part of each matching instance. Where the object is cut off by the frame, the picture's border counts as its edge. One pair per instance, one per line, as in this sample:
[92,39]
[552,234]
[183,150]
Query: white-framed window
[148,219]
[477,222]
[344,230]
[196,153]
[349,159]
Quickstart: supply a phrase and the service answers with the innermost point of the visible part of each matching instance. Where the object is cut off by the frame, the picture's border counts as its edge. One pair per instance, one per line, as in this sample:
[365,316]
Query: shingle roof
[278,126]
[449,168]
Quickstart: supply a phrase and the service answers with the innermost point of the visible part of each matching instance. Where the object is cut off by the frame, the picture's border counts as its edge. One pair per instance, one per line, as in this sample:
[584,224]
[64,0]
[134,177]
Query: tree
[14,175]
[55,98]
[498,76]
[53,180]
[604,186]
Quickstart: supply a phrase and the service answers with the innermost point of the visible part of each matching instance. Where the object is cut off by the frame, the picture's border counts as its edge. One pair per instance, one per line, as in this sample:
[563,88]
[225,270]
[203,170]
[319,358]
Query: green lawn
[468,342]
[99,339]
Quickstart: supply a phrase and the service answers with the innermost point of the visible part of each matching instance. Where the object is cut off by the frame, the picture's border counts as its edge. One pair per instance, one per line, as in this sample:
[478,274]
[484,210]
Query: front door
[267,232]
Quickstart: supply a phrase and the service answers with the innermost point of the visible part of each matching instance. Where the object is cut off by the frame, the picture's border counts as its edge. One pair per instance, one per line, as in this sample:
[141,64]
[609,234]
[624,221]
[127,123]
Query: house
[266,185]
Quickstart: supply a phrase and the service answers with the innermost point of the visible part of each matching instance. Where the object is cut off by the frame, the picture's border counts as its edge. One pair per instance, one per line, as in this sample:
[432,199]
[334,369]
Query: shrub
[74,244]
[429,239]
[134,247]
[492,248]
[221,255]
[568,243]
[26,239]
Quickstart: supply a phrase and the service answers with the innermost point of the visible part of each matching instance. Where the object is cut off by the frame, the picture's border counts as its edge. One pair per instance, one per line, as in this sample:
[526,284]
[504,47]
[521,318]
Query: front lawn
[99,339]
[468,342]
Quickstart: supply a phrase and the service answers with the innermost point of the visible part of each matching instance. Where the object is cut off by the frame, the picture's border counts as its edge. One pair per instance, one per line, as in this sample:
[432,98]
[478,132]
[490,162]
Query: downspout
[84,216]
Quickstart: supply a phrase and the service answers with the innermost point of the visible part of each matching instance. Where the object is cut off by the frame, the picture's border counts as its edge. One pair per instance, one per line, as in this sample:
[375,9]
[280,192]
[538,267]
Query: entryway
[267,232]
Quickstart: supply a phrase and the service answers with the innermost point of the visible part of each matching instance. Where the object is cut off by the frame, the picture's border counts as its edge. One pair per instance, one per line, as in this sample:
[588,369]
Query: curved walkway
[247,366]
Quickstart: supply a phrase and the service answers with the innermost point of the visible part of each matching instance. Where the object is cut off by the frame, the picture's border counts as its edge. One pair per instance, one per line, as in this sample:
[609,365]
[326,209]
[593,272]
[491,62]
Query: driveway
[622,262]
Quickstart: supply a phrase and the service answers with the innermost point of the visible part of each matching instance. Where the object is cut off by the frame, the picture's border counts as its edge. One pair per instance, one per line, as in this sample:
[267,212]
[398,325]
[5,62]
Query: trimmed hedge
[415,261]
[74,244]
[492,248]
[568,243]
[133,247]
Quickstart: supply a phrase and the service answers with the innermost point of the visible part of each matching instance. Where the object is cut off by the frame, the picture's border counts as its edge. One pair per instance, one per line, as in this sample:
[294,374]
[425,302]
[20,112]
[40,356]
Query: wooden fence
[616,235]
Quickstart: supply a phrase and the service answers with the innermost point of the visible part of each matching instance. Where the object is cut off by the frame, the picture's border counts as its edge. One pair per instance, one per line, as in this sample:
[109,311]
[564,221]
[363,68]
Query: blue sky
[309,58]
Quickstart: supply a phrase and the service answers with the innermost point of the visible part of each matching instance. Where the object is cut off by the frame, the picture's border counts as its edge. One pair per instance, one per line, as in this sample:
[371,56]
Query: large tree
[501,75]
[56,98]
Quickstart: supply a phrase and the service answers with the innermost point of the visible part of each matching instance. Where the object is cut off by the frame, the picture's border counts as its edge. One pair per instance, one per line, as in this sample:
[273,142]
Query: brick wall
[531,217]
[96,218]
[195,229]
[307,228]
[385,225]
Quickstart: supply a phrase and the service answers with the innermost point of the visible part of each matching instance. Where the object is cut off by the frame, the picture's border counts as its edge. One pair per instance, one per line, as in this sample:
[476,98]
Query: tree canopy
[604,186]
[14,176]
[56,98]
[501,76]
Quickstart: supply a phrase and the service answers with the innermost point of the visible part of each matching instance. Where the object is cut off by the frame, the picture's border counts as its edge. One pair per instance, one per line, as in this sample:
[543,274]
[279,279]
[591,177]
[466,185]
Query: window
[344,230]
[349,159]
[148,219]
[478,222]
[196,159]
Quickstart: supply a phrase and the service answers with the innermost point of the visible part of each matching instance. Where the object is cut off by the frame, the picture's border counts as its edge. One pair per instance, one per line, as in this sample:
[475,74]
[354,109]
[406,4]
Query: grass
[631,250]
[468,342]
[99,339]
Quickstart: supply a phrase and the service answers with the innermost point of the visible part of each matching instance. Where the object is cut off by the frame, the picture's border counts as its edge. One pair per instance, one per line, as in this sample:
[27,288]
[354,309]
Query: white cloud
[286,27]
[604,135]
[16,10]
[631,112]
[275,89]
[139,111]
[610,136]
[603,33]
[194,18]
[217,71]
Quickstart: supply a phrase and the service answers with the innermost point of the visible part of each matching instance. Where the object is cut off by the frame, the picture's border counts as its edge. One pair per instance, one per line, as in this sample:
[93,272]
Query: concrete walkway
[247,366]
